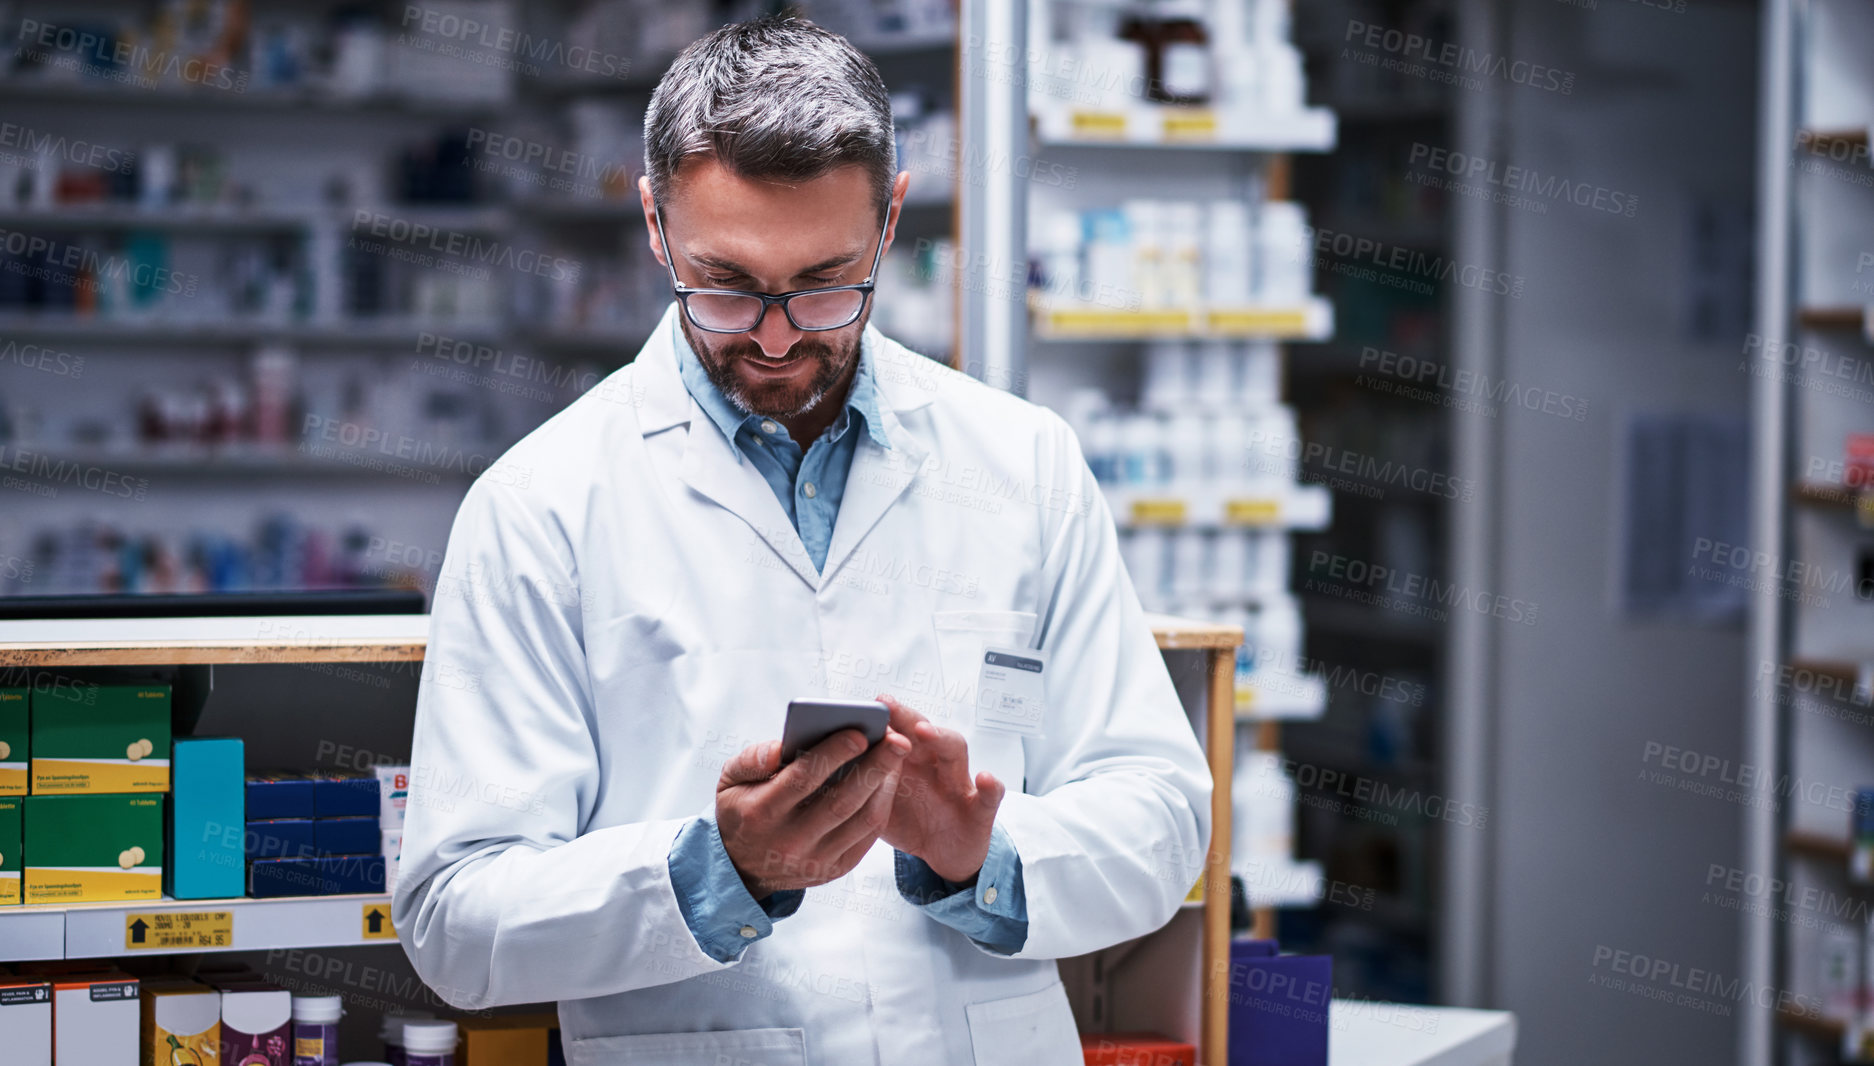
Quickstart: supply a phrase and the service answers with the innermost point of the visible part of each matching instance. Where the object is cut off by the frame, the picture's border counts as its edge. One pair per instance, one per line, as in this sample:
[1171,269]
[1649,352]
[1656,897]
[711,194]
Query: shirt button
[767,425]
[989,895]
[748,932]
[808,490]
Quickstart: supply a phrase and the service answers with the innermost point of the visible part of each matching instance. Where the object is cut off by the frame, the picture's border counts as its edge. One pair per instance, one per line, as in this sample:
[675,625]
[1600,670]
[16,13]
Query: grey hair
[776,98]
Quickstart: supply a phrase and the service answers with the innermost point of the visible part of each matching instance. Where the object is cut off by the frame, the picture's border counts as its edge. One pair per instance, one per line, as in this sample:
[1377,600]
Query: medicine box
[14,742]
[100,738]
[1135,1049]
[344,795]
[11,863]
[393,796]
[96,848]
[393,857]
[510,1040]
[26,1020]
[330,875]
[256,1023]
[278,796]
[280,838]
[347,836]
[206,859]
[181,1023]
[95,1018]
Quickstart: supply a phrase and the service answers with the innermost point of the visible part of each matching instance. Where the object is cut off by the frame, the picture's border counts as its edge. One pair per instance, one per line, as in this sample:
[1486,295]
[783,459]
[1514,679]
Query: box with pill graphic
[10,863]
[93,849]
[100,738]
[13,738]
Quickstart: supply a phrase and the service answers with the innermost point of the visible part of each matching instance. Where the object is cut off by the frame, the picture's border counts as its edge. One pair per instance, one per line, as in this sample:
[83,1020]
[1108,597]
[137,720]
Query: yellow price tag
[377,922]
[1258,322]
[1190,126]
[1864,509]
[1099,124]
[178,930]
[1254,512]
[1158,512]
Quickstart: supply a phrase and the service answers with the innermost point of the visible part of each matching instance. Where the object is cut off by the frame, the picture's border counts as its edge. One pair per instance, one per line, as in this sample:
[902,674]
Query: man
[775,501]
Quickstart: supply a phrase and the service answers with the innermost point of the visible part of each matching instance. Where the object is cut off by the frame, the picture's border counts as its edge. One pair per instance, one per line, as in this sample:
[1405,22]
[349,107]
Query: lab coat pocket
[1034,1029]
[756,1047]
[961,638]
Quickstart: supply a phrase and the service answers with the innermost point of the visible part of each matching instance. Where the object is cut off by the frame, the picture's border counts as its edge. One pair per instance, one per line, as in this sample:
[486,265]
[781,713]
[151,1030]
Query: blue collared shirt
[718,908]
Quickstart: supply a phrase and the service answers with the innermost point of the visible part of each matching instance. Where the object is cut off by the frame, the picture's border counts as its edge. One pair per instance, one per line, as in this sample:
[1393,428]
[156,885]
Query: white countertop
[1364,1033]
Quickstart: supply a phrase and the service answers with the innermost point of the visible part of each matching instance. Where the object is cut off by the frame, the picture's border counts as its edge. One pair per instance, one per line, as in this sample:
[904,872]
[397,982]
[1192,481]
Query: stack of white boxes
[393,791]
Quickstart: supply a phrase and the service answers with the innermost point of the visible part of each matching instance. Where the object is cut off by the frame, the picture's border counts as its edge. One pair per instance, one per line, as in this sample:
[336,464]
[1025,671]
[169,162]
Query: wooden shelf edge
[1822,1028]
[1831,317]
[1817,845]
[1176,634]
[155,654]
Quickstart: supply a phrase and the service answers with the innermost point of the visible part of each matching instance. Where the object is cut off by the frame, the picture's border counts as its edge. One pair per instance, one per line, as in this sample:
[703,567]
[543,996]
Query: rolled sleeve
[723,917]
[992,910]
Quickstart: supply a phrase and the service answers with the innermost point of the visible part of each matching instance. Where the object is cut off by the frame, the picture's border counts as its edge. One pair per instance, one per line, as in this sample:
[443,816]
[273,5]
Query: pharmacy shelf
[1295,507]
[1848,317]
[1289,888]
[184,218]
[1364,1033]
[1830,495]
[1312,129]
[105,930]
[613,342]
[209,461]
[396,330]
[202,641]
[1176,634]
[1282,697]
[1822,141]
[111,94]
[1829,1029]
[1815,845]
[1311,319]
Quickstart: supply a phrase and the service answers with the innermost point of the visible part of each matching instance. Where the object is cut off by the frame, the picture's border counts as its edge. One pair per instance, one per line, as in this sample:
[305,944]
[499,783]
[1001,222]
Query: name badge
[1010,695]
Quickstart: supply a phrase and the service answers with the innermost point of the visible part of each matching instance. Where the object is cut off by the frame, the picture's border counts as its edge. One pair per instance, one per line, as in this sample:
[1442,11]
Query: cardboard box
[181,1023]
[276,795]
[393,796]
[512,1040]
[11,857]
[206,860]
[331,875]
[256,1024]
[14,742]
[96,848]
[26,1020]
[344,795]
[280,838]
[95,1018]
[347,836]
[100,738]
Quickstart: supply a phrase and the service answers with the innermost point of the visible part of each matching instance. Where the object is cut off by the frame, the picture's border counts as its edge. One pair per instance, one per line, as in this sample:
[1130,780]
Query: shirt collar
[861,399]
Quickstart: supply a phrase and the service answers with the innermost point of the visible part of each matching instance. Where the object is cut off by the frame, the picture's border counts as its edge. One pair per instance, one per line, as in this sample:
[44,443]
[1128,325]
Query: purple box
[345,796]
[256,1024]
[1278,1006]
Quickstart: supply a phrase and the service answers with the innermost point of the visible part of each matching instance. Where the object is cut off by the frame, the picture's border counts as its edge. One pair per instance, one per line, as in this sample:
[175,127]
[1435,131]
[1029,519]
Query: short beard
[775,401]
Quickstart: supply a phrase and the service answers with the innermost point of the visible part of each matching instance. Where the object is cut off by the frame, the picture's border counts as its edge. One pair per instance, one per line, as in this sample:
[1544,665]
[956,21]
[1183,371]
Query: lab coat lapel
[711,465]
[879,476]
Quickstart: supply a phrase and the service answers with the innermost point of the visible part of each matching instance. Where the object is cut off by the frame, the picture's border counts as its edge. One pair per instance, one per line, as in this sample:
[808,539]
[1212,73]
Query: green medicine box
[10,858]
[100,738]
[93,849]
[13,738]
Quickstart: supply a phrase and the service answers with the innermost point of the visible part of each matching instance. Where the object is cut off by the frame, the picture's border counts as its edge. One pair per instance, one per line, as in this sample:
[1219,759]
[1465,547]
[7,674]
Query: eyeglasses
[738,311]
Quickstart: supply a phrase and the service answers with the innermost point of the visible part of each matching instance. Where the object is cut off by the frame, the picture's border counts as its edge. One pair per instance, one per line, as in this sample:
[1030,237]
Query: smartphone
[811,720]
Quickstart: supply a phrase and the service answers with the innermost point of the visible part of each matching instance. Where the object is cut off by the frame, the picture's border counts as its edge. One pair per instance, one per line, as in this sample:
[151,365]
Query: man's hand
[782,831]
[942,815]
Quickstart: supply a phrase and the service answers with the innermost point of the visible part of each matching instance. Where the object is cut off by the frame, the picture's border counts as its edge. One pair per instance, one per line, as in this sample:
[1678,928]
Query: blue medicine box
[281,838]
[207,800]
[278,796]
[347,836]
[331,875]
[345,796]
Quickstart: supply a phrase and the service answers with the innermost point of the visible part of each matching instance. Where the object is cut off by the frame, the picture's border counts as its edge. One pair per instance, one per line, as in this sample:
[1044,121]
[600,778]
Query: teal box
[207,819]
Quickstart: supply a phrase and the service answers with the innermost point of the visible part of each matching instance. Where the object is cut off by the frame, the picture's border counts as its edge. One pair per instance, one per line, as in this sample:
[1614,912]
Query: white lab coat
[624,605]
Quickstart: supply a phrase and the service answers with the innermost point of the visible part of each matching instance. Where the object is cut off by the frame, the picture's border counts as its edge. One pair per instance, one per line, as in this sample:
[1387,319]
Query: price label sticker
[1158,511]
[178,930]
[377,922]
[1252,512]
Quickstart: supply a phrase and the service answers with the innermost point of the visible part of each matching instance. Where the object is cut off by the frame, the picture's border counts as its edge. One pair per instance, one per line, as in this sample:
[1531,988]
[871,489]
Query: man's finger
[903,718]
[844,799]
[812,767]
[868,821]
[945,748]
[757,762]
[989,792]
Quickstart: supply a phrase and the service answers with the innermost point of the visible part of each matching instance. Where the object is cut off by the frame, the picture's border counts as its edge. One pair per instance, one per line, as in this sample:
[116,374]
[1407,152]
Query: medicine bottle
[429,1043]
[315,1030]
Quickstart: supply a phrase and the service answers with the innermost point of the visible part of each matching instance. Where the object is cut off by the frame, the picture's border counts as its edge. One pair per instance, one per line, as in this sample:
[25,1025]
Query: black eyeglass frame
[684,292]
